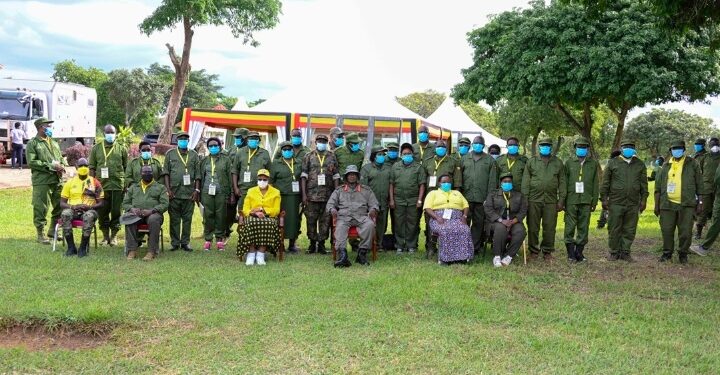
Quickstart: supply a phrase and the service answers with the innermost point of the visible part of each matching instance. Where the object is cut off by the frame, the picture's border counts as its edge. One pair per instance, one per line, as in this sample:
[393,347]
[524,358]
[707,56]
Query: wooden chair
[280,253]
[352,235]
[76,224]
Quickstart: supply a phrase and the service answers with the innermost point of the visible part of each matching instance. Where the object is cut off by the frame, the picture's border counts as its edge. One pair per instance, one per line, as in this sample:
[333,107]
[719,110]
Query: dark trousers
[154,223]
[545,213]
[109,213]
[17,155]
[678,218]
[477,225]
[622,225]
[500,238]
[181,213]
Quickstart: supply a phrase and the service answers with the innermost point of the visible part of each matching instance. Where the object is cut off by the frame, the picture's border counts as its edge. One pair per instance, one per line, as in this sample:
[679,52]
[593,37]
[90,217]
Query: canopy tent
[240,105]
[453,117]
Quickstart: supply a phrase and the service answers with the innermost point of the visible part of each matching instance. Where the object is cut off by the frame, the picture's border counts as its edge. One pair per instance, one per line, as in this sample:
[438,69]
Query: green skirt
[290,203]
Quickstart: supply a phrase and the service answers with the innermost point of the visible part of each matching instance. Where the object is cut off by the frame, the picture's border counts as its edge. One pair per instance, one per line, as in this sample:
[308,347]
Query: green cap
[393,145]
[253,134]
[545,141]
[353,138]
[506,175]
[285,144]
[627,141]
[464,140]
[700,141]
[321,136]
[42,121]
[182,134]
[582,141]
[679,143]
[241,132]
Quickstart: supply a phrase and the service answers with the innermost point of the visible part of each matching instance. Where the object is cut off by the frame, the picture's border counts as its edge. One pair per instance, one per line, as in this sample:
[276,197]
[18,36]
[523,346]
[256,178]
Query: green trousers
[381,225]
[214,216]
[708,209]
[577,224]
[109,213]
[44,196]
[477,225]
[181,213]
[622,225]
[290,203]
[678,218]
[406,226]
[545,214]
[714,230]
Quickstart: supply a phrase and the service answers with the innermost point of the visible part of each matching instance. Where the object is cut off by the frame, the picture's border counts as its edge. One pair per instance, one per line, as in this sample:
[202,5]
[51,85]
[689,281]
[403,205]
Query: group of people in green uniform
[501,191]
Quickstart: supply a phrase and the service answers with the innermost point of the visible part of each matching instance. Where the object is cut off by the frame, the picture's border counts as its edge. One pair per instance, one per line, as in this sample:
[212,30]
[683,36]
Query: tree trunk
[524,145]
[621,115]
[585,129]
[533,152]
[182,70]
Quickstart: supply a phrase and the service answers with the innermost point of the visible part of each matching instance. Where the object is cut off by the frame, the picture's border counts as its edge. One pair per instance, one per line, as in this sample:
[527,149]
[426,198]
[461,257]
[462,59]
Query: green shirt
[315,164]
[111,156]
[40,157]
[346,157]
[590,179]
[232,150]
[247,160]
[691,179]
[438,166]
[283,173]
[422,153]
[478,176]
[176,166]
[378,179]
[298,152]
[153,198]
[216,170]
[406,181]
[624,183]
[516,166]
[709,171]
[132,172]
[699,158]
[544,181]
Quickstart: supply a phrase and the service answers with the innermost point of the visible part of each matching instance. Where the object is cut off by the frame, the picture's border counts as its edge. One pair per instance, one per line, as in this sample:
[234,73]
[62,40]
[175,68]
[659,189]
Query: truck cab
[23,107]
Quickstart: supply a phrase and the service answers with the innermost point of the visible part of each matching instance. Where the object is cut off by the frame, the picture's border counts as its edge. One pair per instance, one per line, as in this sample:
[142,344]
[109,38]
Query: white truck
[73,107]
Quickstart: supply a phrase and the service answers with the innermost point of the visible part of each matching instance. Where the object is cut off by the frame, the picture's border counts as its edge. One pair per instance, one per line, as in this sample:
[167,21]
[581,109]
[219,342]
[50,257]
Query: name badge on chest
[447,214]
[580,187]
[104,172]
[186,179]
[433,181]
[321,180]
[295,187]
[211,189]
[246,176]
[671,188]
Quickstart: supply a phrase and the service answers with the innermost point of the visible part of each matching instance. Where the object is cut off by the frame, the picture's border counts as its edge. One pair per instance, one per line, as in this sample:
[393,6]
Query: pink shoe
[220,246]
[207,245]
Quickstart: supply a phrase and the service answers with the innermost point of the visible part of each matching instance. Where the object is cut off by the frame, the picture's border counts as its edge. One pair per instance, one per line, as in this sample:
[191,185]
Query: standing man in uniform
[436,166]
[699,157]
[285,176]
[318,180]
[108,161]
[624,193]
[240,135]
[239,143]
[376,175]
[46,168]
[708,168]
[463,148]
[407,189]
[132,172]
[298,148]
[582,174]
[423,149]
[180,171]
[513,162]
[478,180]
[544,185]
[351,153]
[248,161]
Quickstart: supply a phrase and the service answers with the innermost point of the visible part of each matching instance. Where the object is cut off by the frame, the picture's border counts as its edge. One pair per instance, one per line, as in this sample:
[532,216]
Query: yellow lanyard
[422,152]
[322,161]
[291,166]
[437,164]
[212,168]
[507,201]
[509,164]
[250,156]
[48,144]
[144,187]
[184,161]
[107,153]
[582,165]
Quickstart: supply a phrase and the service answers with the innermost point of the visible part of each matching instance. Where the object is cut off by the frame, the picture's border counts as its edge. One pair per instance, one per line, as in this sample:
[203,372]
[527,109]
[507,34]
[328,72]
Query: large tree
[654,131]
[136,92]
[525,120]
[244,17]
[423,103]
[559,56]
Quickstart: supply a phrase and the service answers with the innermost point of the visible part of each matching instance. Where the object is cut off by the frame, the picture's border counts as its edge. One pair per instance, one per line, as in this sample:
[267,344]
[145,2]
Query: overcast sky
[400,45]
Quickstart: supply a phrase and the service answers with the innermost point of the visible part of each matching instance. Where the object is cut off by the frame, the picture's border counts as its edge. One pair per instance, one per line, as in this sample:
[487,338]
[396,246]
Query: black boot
[343,260]
[683,258]
[313,247]
[579,253]
[570,251]
[84,247]
[292,249]
[362,257]
[698,233]
[321,248]
[70,241]
[666,257]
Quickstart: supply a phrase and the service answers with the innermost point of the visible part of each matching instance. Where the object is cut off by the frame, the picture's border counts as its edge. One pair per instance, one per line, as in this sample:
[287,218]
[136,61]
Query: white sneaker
[399,251]
[496,262]
[250,259]
[506,261]
[260,258]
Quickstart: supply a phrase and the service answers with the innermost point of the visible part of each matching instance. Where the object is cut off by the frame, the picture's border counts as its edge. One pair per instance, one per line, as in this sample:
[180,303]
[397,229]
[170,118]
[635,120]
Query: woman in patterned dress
[260,231]
[448,211]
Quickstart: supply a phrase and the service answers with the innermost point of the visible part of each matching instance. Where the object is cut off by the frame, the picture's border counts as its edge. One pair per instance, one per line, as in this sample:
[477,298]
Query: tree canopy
[136,92]
[654,131]
[423,103]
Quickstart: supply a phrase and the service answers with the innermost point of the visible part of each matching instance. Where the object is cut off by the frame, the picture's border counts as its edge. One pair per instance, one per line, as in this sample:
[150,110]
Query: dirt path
[17,178]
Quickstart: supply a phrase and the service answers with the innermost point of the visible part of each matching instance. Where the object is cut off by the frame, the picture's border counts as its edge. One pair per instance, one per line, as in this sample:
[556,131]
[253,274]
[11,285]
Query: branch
[568,116]
[173,56]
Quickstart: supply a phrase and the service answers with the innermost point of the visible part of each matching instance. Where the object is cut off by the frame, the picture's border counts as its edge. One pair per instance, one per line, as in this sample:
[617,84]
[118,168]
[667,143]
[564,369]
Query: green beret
[545,141]
[393,145]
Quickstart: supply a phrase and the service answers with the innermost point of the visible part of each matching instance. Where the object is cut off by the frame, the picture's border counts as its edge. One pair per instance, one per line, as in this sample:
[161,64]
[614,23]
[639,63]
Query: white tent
[452,117]
[241,105]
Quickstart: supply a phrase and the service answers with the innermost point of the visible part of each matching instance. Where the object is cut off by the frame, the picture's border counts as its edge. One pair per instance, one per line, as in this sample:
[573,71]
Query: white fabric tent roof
[452,117]
[241,105]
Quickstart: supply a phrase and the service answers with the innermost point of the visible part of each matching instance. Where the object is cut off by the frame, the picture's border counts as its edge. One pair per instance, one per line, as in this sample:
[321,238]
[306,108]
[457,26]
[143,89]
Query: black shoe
[321,248]
[313,247]
[175,248]
[613,257]
[362,257]
[343,260]
[698,233]
[292,249]
[70,241]
[571,256]
[186,247]
[626,257]
[683,258]
[579,253]
[665,258]
[84,249]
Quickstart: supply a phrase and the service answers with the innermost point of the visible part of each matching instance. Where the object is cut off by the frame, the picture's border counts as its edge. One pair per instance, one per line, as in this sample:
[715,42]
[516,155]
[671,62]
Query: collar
[673,161]
[144,185]
[346,187]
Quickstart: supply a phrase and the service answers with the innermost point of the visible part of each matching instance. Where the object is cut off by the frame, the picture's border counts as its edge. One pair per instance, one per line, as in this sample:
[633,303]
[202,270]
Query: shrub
[73,153]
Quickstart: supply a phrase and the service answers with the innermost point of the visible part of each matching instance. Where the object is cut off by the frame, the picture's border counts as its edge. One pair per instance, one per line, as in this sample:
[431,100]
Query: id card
[104,172]
[246,176]
[447,214]
[580,187]
[186,179]
[295,187]
[211,189]
[321,180]
[671,188]
[433,181]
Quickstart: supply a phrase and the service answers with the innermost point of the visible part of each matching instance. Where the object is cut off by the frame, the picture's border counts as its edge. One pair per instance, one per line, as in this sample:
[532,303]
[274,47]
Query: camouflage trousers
[317,221]
[88,218]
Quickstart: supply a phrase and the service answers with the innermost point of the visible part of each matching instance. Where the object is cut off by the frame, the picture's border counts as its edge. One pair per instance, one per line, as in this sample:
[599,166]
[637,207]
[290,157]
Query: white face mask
[262,184]
[715,149]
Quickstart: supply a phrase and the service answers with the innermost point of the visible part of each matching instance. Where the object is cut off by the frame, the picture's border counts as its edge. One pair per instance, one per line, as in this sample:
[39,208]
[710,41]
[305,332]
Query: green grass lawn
[209,313]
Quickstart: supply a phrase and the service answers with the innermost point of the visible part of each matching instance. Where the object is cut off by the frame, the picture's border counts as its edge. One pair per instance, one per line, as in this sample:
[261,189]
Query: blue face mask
[110,137]
[677,153]
[446,186]
[440,151]
[238,142]
[145,155]
[183,143]
[506,186]
[392,155]
[339,142]
[478,147]
[699,148]
[463,150]
[48,132]
[321,147]
[545,150]
[581,152]
[354,147]
[408,159]
[253,143]
[214,150]
[423,137]
[513,149]
[296,141]
[380,159]
[287,154]
[628,152]
[495,156]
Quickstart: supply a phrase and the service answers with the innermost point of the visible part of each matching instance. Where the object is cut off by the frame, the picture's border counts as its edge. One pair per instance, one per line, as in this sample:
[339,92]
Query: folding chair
[76,224]
[144,228]
[352,235]
[280,253]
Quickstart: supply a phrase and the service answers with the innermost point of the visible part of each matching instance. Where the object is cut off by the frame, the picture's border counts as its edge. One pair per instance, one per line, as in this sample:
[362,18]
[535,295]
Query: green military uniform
[478,180]
[406,181]
[711,161]
[314,165]
[181,169]
[677,214]
[42,156]
[377,177]
[543,184]
[334,134]
[624,189]
[215,170]
[132,172]
[112,156]
[714,230]
[242,134]
[499,206]
[246,165]
[583,188]
[346,157]
[514,164]
[423,152]
[153,197]
[462,142]
[285,176]
[232,150]
[699,158]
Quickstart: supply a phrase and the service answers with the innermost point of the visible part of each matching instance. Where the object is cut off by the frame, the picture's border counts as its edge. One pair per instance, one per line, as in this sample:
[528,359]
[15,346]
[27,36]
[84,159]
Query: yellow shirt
[86,191]
[438,200]
[674,178]
[270,202]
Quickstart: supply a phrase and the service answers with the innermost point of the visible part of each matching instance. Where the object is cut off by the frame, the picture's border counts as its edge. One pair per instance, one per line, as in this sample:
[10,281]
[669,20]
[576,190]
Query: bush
[162,148]
[133,151]
[76,152]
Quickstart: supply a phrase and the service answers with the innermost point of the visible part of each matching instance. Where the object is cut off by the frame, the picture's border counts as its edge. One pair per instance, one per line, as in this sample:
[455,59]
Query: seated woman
[448,211]
[260,229]
[505,209]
